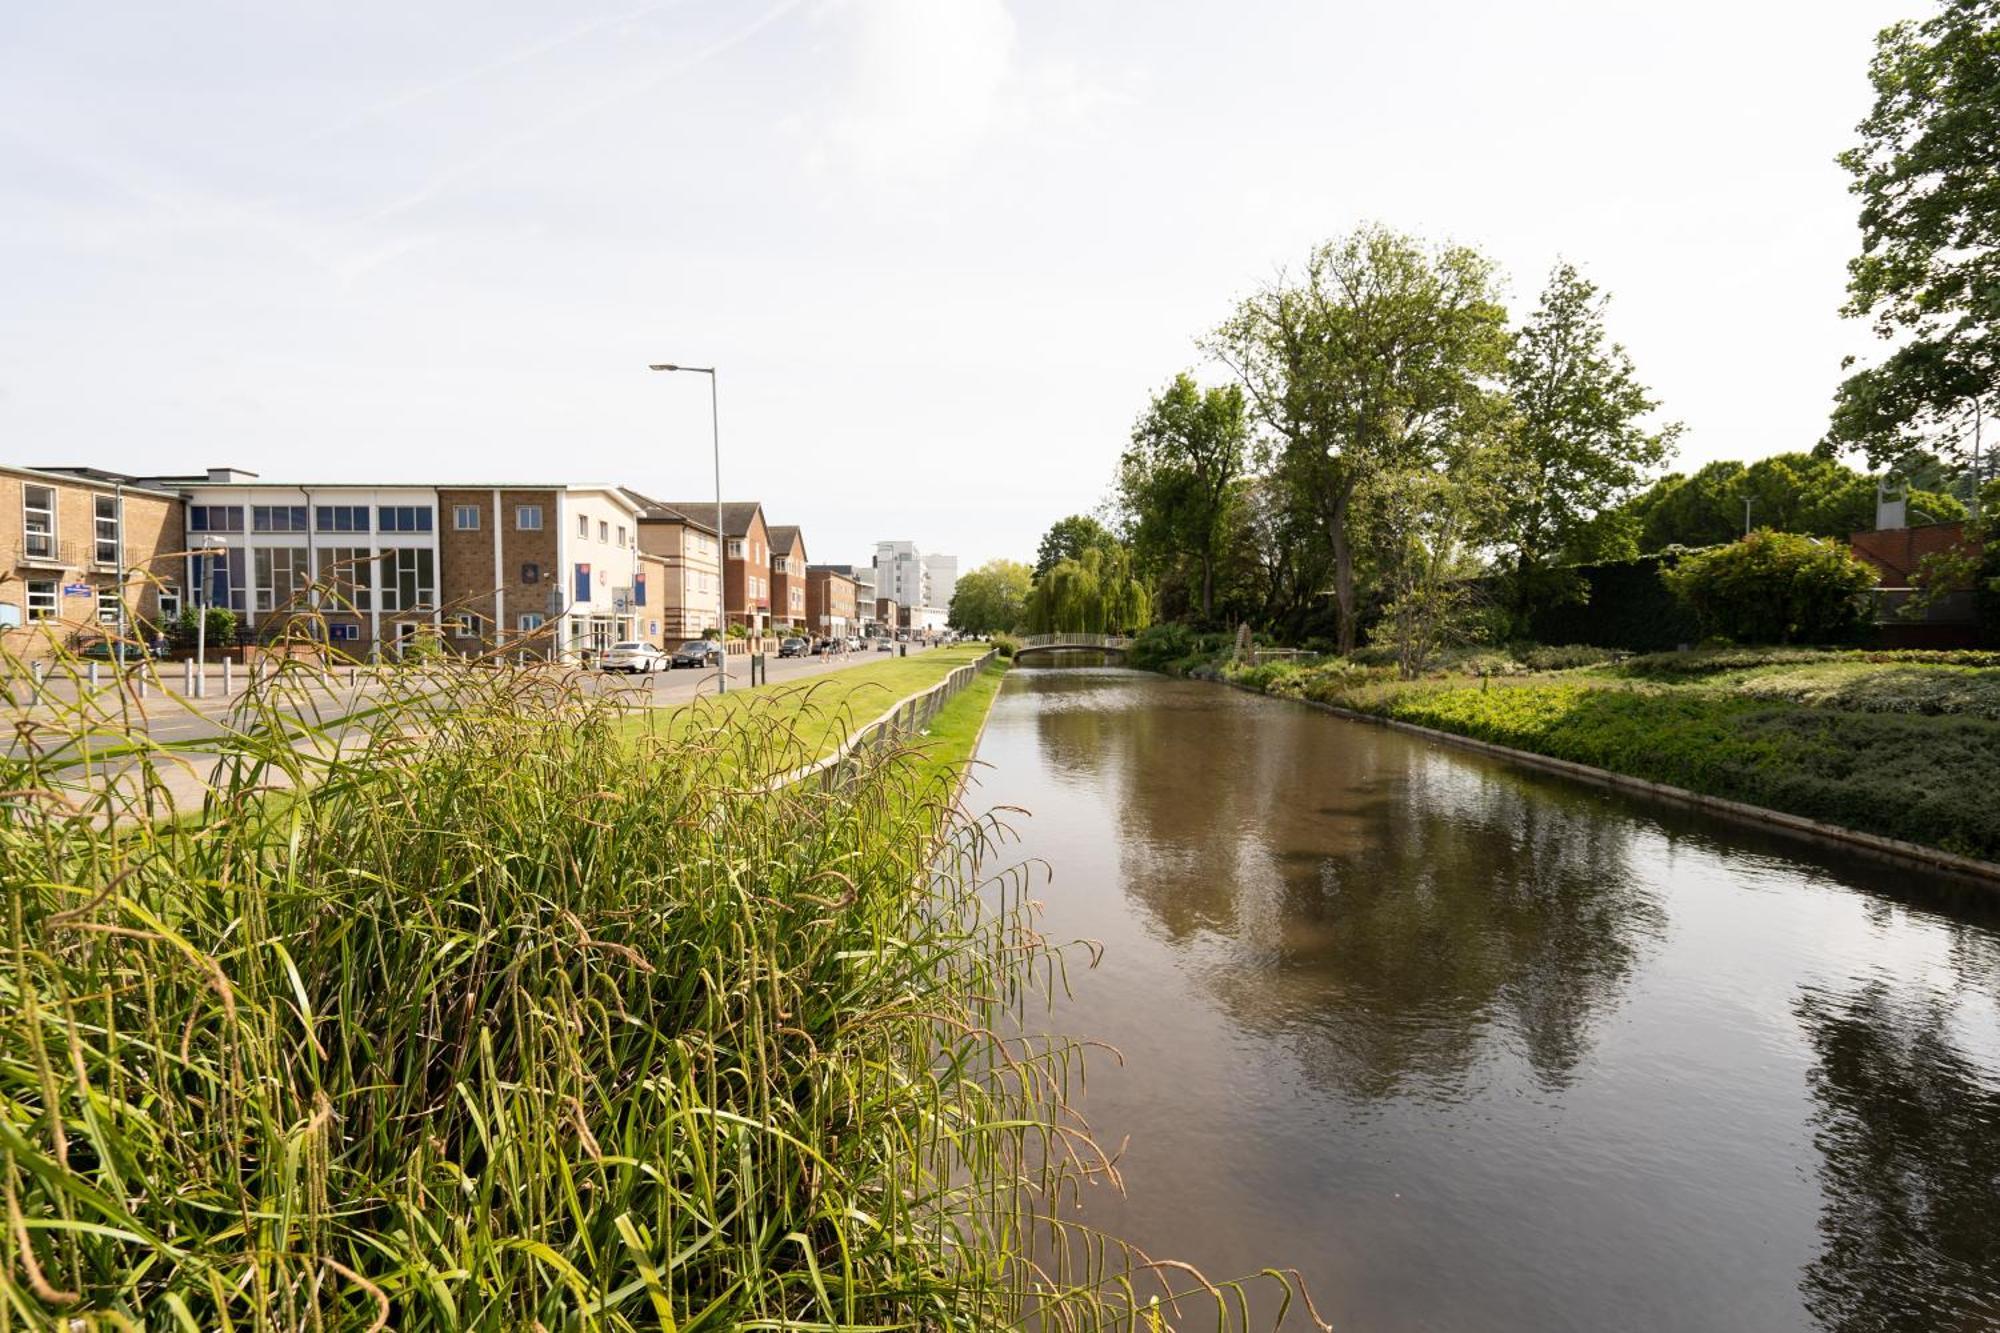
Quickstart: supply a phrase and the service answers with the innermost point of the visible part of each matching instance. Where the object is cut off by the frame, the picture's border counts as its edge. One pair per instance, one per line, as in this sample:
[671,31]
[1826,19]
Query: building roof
[662,512]
[736,514]
[93,477]
[785,535]
[831,571]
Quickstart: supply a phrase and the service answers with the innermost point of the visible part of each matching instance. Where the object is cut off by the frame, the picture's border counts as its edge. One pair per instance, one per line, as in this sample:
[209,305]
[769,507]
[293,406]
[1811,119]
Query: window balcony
[38,550]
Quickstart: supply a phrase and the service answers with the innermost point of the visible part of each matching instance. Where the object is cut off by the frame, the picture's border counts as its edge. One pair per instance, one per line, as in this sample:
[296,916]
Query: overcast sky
[941,249]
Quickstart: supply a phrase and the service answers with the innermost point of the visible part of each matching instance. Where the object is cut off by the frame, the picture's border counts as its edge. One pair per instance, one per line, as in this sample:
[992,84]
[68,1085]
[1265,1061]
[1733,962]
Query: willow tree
[1363,365]
[1095,593]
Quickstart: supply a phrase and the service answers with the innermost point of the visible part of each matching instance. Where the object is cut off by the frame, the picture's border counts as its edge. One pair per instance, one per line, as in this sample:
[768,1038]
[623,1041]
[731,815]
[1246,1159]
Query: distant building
[76,547]
[747,559]
[689,552]
[830,606]
[899,574]
[941,575]
[788,575]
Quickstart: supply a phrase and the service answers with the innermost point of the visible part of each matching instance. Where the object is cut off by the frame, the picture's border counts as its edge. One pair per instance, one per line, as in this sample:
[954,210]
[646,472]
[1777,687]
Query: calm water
[1477,1048]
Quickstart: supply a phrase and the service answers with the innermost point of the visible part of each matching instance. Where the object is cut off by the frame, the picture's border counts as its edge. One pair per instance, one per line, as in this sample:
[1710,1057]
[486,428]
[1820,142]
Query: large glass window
[105,529]
[41,599]
[38,522]
[281,576]
[219,578]
[342,518]
[403,518]
[277,518]
[409,578]
[347,576]
[215,518]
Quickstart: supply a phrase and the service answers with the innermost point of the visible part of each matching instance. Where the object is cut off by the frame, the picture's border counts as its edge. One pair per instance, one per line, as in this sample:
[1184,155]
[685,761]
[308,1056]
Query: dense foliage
[1775,587]
[1793,492]
[1928,274]
[1177,482]
[991,598]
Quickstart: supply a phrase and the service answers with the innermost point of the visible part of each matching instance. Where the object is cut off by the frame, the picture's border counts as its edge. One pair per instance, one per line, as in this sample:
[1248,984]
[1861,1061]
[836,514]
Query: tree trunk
[1343,563]
[1207,586]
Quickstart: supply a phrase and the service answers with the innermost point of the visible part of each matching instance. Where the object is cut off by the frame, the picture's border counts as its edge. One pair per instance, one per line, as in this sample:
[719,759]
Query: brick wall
[1896,552]
[467,579]
[153,540]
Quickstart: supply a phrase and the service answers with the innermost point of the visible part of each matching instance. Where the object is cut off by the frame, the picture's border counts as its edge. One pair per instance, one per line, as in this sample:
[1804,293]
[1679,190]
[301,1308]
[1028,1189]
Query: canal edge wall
[1893,850]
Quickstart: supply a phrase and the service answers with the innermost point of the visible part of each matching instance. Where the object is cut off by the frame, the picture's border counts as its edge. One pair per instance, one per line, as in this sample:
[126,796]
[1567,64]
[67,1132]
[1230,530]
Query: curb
[1894,850]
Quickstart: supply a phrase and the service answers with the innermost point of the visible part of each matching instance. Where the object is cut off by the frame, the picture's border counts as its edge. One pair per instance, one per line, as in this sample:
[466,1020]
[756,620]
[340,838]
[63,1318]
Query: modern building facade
[540,567]
[899,574]
[86,554]
[940,580]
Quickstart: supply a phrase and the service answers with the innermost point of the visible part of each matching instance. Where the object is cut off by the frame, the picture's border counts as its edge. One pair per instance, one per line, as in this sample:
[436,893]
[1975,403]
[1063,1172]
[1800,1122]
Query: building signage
[76,590]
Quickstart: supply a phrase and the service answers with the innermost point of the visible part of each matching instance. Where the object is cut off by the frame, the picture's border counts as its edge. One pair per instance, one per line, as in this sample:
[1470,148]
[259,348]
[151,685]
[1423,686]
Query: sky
[941,251]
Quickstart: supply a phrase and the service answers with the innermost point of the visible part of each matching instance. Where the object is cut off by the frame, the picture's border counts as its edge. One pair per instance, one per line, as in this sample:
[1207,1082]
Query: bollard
[93,675]
[187,677]
[225,678]
[38,678]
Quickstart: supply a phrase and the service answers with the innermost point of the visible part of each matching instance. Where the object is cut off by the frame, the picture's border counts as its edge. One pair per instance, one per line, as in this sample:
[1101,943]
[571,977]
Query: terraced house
[746,566]
[85,553]
[689,554]
[788,575]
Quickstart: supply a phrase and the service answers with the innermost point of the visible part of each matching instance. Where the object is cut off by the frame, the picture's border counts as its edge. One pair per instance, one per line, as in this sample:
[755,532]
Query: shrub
[1775,587]
[1005,644]
[1156,646]
[1562,657]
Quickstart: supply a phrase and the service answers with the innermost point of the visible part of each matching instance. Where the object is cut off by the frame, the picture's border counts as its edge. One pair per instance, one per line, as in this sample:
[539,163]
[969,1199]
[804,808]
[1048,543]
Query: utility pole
[721,540]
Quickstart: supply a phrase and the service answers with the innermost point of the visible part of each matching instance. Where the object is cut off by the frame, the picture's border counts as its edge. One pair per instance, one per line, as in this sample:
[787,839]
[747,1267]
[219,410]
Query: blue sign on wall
[583,583]
[76,590]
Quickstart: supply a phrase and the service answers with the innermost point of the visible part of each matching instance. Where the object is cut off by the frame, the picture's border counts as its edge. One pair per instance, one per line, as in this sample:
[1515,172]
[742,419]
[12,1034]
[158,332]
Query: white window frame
[603,532]
[105,551]
[347,576]
[468,625]
[532,621]
[527,518]
[43,604]
[735,548]
[168,601]
[265,561]
[107,608]
[343,631]
[583,526]
[38,539]
[399,561]
[465,518]
[621,534]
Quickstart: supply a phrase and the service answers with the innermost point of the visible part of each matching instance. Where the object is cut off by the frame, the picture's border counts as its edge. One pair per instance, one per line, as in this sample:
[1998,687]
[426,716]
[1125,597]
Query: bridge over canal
[1115,644]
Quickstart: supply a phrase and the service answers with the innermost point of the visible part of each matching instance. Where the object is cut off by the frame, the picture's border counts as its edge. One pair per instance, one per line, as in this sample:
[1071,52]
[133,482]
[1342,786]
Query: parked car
[106,650]
[696,653]
[884,646]
[633,657]
[794,646]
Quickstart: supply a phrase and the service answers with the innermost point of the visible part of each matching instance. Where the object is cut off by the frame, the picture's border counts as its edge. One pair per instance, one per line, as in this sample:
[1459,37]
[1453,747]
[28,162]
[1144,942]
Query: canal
[1479,1048]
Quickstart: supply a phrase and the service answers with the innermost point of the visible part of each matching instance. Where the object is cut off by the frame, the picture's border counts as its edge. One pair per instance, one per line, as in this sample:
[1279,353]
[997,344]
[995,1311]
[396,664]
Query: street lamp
[721,565]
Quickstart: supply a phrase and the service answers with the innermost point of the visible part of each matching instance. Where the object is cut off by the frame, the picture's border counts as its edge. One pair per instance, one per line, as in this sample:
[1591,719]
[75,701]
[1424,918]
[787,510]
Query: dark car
[107,650]
[793,647]
[696,653]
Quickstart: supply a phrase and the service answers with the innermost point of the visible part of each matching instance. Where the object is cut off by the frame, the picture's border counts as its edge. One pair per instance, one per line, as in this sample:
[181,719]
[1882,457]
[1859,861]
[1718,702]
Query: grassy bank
[530,1024]
[1904,745]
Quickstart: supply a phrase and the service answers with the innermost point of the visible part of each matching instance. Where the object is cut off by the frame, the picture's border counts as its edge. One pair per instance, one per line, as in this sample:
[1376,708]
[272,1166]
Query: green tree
[1096,593]
[1363,365]
[1775,587]
[1795,492]
[1928,274]
[1068,538]
[1176,483]
[992,598]
[1579,439]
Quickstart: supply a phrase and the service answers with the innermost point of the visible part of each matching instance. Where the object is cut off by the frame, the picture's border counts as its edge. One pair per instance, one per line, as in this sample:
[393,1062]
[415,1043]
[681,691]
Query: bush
[1156,646]
[1775,587]
[1563,656]
[1005,644]
[1619,604]
[1714,662]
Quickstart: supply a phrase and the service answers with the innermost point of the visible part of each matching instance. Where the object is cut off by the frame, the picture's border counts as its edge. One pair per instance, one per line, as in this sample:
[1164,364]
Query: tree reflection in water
[1908,1130]
[1399,921]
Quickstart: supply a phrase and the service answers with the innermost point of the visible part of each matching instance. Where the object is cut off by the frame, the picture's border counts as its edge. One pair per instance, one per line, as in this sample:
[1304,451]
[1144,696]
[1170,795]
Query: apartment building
[689,552]
[899,574]
[788,575]
[84,553]
[746,566]
[831,608]
[542,567]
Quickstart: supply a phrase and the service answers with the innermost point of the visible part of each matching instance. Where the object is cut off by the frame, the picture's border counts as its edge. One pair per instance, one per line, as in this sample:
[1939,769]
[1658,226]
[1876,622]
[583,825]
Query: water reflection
[1908,1128]
[1390,920]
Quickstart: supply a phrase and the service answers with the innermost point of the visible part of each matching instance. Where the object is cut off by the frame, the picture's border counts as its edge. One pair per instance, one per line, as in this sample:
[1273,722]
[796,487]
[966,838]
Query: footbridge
[1088,643]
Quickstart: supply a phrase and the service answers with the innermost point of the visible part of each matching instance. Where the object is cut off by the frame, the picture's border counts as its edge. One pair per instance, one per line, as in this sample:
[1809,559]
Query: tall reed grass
[476,1014]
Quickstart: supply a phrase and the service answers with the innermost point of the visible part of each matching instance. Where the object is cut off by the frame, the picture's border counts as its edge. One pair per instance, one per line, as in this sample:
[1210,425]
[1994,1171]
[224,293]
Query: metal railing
[1110,642]
[906,717]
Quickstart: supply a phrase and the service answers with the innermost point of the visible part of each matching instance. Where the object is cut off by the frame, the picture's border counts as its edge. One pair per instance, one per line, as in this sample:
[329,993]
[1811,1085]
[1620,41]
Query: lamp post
[721,565]
[212,549]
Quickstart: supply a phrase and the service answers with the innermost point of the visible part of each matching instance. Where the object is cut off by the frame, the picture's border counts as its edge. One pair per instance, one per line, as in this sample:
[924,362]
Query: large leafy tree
[1068,538]
[1096,593]
[1581,445]
[992,598]
[1177,481]
[1927,171]
[1364,364]
[1795,492]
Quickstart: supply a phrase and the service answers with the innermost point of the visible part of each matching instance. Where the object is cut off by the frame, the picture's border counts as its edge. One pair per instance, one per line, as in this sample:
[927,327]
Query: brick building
[788,575]
[81,547]
[830,602]
[746,575]
[689,553]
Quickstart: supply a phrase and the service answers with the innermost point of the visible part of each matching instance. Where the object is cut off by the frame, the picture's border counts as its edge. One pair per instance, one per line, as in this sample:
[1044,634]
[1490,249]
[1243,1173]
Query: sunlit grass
[512,1016]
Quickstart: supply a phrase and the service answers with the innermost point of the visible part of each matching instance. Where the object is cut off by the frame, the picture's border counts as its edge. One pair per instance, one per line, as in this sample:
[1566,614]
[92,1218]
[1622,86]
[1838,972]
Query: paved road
[168,718]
